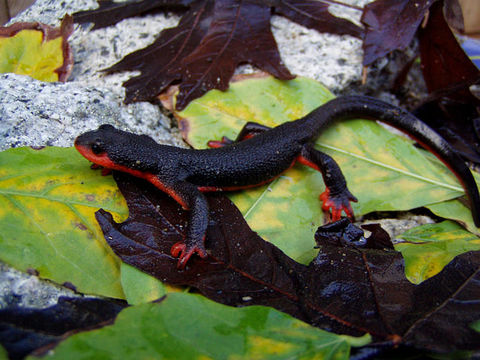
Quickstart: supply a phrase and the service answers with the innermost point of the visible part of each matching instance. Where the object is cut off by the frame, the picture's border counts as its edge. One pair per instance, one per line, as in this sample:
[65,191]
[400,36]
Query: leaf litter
[210,41]
[349,288]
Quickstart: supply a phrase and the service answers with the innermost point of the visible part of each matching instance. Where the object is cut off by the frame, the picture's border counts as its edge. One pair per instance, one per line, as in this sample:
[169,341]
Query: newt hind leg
[249,130]
[336,196]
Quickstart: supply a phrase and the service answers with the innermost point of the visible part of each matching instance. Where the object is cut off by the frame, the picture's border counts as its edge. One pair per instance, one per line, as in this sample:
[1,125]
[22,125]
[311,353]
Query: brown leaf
[390,25]
[212,39]
[450,299]
[110,12]
[161,63]
[239,33]
[24,330]
[451,108]
[350,289]
[314,14]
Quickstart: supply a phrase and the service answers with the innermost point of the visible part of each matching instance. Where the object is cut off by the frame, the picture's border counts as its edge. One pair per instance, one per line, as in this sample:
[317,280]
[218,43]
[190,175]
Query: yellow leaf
[48,200]
[37,50]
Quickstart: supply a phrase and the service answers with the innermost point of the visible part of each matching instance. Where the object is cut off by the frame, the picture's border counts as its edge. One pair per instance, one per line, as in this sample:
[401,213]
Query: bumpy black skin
[262,157]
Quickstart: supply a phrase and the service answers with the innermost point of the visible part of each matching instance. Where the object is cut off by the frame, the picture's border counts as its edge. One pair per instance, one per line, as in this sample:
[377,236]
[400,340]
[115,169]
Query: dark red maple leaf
[348,288]
[161,63]
[110,12]
[314,14]
[24,330]
[444,63]
[211,40]
[239,32]
[390,25]
[451,108]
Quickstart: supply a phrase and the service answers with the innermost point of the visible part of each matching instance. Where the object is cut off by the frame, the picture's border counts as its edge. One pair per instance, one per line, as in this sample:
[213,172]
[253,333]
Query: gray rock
[336,61]
[36,113]
[24,290]
[50,12]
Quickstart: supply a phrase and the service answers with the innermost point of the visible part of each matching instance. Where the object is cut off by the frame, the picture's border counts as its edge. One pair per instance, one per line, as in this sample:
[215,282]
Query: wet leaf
[47,203]
[110,12]
[462,304]
[444,62]
[428,248]
[203,51]
[38,50]
[242,269]
[403,178]
[315,15]
[23,330]
[185,326]
[451,108]
[390,25]
[211,40]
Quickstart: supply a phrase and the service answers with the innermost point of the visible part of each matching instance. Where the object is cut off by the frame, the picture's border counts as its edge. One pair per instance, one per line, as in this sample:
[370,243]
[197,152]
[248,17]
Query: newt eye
[97,147]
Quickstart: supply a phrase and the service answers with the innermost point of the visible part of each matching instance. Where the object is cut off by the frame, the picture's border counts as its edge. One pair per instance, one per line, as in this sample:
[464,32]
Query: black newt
[257,156]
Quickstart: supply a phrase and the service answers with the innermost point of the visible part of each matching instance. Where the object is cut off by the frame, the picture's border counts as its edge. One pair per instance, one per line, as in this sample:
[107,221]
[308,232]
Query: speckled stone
[336,61]
[18,289]
[37,113]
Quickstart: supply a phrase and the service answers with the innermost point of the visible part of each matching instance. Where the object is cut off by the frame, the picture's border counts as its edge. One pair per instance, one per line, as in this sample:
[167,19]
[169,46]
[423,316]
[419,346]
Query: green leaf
[266,100]
[384,170]
[47,203]
[455,210]
[476,326]
[430,247]
[38,50]
[185,326]
[140,287]
[3,353]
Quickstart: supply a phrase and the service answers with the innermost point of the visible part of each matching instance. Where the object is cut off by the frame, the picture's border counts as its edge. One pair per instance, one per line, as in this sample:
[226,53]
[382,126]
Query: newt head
[115,149]
[93,145]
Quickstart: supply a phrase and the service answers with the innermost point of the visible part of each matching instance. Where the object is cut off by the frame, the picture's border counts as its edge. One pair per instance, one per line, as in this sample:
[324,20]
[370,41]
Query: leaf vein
[393,168]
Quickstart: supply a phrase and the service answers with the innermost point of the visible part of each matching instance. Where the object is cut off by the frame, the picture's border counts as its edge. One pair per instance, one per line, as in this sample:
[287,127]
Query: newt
[257,156]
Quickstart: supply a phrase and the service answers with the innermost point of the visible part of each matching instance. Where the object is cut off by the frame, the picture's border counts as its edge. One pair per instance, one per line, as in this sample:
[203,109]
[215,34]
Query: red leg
[184,251]
[336,196]
[219,143]
[105,171]
[192,199]
[249,130]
